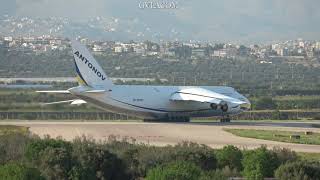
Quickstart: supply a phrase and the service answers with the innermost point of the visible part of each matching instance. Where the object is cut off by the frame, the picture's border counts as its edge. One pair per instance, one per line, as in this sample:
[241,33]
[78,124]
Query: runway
[161,134]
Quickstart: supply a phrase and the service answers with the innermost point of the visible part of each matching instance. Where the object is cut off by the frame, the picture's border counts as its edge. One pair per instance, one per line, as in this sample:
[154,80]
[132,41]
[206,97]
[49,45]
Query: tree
[16,171]
[259,163]
[243,51]
[298,170]
[179,170]
[229,156]
[183,52]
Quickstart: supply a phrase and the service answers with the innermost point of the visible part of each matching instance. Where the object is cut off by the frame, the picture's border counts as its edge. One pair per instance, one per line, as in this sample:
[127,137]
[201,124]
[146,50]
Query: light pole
[297,111]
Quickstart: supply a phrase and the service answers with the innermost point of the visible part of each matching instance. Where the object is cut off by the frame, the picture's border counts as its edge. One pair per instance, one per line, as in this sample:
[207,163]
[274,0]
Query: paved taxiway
[162,134]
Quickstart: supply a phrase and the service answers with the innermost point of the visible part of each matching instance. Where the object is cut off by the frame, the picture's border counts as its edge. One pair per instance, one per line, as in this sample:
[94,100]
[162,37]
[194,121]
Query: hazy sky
[224,19]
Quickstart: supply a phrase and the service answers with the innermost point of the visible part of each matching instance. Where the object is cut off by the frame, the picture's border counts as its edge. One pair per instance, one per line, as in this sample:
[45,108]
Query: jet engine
[214,106]
[223,106]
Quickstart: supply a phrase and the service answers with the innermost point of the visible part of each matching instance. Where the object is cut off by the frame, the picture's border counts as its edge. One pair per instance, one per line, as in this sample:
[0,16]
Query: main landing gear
[226,119]
[170,119]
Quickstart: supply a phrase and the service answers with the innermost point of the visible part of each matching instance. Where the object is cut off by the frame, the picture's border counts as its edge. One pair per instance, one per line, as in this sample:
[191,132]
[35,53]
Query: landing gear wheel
[169,119]
[150,120]
[225,120]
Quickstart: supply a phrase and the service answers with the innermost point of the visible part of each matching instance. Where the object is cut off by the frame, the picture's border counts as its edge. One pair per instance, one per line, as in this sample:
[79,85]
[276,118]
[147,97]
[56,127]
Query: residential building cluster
[296,48]
[33,44]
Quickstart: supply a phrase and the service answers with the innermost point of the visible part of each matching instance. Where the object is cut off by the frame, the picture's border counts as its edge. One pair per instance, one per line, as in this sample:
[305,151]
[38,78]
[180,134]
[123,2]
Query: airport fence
[63,116]
[278,115]
[254,115]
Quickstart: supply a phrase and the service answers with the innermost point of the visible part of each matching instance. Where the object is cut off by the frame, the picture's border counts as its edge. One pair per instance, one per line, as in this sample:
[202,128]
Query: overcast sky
[224,19]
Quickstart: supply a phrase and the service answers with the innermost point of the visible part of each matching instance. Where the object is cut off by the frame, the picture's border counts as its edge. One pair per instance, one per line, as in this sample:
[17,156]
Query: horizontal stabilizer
[56,92]
[72,102]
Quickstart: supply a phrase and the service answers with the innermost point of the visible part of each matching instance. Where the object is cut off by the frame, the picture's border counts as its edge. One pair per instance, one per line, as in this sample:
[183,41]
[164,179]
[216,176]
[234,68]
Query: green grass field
[9,129]
[309,156]
[309,97]
[282,136]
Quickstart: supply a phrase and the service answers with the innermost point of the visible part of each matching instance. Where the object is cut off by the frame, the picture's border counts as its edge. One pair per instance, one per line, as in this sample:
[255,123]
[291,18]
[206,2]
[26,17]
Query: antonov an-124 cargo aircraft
[152,103]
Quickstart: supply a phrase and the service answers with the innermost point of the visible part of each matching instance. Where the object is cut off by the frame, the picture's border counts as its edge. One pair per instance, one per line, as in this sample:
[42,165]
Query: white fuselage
[153,102]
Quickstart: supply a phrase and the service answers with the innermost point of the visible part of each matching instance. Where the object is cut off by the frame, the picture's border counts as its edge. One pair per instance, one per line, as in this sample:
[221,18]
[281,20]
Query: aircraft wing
[204,96]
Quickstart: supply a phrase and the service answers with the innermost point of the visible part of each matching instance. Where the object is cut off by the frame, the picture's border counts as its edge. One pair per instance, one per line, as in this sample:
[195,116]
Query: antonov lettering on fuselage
[148,102]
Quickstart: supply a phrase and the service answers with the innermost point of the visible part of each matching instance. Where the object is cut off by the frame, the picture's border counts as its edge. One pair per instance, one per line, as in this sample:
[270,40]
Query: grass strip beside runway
[10,129]
[275,135]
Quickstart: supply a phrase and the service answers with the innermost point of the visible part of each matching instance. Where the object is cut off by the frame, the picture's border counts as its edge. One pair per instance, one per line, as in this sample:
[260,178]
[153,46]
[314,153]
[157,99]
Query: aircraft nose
[245,106]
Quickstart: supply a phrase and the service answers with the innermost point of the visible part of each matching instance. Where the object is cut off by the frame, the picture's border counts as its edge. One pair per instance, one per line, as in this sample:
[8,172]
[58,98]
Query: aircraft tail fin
[89,72]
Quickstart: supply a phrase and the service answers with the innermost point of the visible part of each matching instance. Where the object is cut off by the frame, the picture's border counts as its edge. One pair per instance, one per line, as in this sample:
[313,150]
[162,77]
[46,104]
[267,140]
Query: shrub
[55,163]
[149,157]
[179,170]
[12,147]
[94,162]
[284,155]
[213,175]
[145,158]
[265,103]
[37,145]
[228,172]
[219,174]
[27,116]
[259,163]
[14,171]
[276,115]
[131,160]
[298,170]
[229,156]
[200,155]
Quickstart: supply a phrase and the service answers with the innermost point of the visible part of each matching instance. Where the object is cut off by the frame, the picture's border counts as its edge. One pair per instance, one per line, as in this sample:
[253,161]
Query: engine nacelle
[223,106]
[214,106]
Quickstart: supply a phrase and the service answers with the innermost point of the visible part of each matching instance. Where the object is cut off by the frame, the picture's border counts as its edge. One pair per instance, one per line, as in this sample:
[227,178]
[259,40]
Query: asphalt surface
[161,134]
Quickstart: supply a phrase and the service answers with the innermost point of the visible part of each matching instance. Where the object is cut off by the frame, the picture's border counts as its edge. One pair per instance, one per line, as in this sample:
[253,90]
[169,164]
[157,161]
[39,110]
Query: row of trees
[270,103]
[29,157]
